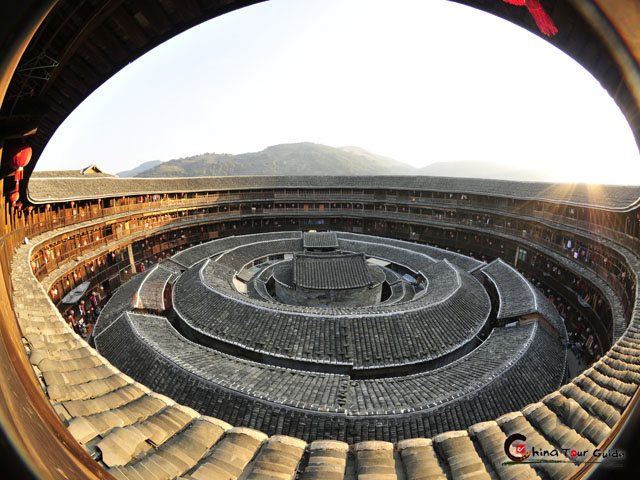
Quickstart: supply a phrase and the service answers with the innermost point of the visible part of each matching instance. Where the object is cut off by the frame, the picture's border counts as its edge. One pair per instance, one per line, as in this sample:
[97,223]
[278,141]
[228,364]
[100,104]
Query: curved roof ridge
[493,275]
[611,197]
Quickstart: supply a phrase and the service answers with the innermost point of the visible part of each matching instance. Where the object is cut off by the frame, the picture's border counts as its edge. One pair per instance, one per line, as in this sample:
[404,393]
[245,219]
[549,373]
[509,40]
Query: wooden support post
[131,261]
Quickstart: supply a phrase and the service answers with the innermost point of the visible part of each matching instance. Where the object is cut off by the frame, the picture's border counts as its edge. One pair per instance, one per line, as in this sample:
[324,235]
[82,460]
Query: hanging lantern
[19,159]
[14,197]
[540,16]
[48,207]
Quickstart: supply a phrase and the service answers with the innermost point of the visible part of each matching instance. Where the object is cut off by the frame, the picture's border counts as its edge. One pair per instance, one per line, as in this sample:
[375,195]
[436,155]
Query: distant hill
[288,159]
[478,169]
[139,169]
[314,159]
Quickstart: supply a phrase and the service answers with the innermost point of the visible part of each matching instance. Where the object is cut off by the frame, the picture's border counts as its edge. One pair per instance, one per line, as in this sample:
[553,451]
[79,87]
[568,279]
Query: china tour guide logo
[517,440]
[516,450]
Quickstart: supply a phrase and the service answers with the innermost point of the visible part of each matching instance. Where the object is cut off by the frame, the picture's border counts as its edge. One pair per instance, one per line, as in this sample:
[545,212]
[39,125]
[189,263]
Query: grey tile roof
[402,256]
[258,290]
[151,291]
[283,274]
[193,255]
[41,190]
[518,297]
[237,257]
[545,308]
[331,272]
[271,236]
[400,291]
[443,278]
[516,294]
[364,338]
[257,286]
[320,240]
[139,343]
[171,266]
[427,252]
[512,368]
[473,374]
[211,307]
[212,275]
[121,301]
[68,174]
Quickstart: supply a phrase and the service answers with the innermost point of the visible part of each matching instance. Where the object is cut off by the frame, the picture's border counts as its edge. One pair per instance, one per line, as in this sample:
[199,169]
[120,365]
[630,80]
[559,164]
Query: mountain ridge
[139,169]
[308,158]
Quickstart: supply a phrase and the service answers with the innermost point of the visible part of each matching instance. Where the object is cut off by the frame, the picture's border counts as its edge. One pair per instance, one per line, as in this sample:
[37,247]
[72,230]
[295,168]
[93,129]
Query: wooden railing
[67,217]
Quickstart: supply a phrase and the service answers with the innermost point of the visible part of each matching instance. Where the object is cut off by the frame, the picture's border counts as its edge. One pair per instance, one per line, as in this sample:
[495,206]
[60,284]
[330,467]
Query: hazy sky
[423,82]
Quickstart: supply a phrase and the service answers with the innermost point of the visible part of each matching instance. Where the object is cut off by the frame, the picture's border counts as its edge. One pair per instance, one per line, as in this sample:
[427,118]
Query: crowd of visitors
[83,317]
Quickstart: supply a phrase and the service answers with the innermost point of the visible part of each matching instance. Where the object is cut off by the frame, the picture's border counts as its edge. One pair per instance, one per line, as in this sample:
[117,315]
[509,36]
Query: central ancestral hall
[326,280]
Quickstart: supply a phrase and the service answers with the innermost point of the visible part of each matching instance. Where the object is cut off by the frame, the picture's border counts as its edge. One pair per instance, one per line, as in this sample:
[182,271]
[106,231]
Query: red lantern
[540,16]
[14,197]
[20,159]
